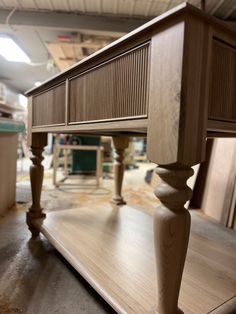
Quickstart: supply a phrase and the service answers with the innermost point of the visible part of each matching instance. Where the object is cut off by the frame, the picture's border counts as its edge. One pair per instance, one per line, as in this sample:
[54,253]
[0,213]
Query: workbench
[172,80]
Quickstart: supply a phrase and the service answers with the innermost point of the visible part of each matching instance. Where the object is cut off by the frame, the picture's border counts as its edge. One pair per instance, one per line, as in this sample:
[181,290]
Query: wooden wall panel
[222,104]
[113,90]
[49,107]
[219,183]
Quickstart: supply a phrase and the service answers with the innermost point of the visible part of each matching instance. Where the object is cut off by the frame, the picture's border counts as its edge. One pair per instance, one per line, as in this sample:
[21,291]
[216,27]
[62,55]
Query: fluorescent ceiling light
[22,100]
[11,51]
[37,84]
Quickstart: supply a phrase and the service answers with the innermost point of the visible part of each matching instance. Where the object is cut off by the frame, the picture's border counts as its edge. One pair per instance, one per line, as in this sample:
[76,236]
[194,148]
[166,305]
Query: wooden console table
[173,80]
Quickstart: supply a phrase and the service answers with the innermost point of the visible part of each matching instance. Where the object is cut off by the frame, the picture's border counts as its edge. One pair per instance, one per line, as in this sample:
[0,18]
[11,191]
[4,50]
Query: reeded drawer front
[49,107]
[222,101]
[113,90]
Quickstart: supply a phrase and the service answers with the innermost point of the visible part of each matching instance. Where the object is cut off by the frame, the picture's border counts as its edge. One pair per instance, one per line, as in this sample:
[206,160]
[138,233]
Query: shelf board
[112,248]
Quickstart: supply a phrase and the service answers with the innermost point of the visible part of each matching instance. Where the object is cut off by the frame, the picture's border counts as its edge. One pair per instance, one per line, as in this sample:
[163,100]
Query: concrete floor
[34,278]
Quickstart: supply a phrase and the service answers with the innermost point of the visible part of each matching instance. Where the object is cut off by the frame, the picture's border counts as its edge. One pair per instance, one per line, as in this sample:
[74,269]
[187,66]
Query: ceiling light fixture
[37,84]
[11,51]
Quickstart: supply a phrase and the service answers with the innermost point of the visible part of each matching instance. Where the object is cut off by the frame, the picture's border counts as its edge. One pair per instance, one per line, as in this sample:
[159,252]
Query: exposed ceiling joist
[66,50]
[231,24]
[84,44]
[102,25]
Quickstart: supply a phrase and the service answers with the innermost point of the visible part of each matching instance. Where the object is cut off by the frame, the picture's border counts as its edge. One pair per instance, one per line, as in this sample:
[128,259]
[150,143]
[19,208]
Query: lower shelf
[112,248]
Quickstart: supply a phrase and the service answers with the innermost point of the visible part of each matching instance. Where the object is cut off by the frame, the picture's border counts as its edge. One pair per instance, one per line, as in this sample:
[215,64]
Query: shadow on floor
[36,279]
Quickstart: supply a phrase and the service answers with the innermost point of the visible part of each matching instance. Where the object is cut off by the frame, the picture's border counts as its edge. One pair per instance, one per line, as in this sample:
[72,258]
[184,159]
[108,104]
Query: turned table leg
[120,144]
[36,180]
[171,234]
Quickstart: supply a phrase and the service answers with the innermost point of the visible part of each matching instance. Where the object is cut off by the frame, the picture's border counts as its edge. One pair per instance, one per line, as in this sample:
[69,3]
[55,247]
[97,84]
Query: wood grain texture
[120,144]
[49,107]
[178,93]
[111,93]
[194,92]
[66,101]
[165,94]
[36,180]
[29,124]
[228,307]
[224,127]
[220,180]
[115,89]
[123,270]
[129,40]
[134,126]
[171,234]
[222,89]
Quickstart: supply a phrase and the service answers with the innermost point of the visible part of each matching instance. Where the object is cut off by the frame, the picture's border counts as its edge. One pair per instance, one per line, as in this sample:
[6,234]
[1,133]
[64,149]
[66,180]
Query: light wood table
[172,80]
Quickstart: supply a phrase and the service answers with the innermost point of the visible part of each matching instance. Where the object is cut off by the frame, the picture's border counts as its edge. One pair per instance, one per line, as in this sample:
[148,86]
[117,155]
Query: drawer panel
[222,101]
[113,90]
[49,107]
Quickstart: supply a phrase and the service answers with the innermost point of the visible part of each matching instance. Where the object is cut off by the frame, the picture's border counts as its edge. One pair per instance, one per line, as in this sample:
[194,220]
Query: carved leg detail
[36,180]
[120,143]
[171,234]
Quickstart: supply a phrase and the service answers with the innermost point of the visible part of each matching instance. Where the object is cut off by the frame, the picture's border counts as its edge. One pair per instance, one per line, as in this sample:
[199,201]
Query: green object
[106,166]
[7,125]
[84,161]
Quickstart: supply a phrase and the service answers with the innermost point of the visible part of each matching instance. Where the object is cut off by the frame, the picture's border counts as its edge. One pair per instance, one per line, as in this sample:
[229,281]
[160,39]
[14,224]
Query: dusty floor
[34,278]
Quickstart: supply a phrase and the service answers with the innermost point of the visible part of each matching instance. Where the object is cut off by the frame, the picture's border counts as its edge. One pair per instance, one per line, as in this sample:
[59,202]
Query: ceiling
[57,33]
[132,8]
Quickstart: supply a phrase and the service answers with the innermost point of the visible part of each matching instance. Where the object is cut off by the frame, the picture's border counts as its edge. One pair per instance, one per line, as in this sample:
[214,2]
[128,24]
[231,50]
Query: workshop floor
[34,278]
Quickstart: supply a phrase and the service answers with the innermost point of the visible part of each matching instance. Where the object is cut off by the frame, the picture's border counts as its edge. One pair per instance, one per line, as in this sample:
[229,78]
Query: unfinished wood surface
[123,270]
[134,126]
[106,100]
[66,101]
[39,141]
[194,92]
[29,121]
[66,147]
[165,94]
[131,39]
[115,82]
[228,307]
[115,89]
[66,52]
[225,128]
[222,90]
[120,144]
[8,157]
[49,107]
[56,50]
[171,234]
[219,183]
[178,95]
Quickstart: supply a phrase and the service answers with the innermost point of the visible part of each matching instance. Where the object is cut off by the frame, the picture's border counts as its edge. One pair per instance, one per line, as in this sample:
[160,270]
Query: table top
[155,22]
[171,79]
